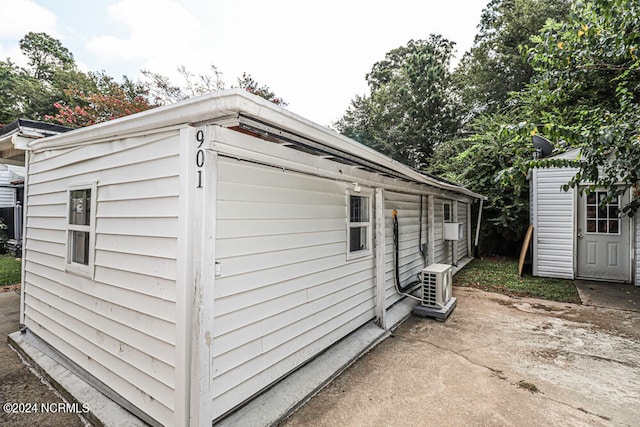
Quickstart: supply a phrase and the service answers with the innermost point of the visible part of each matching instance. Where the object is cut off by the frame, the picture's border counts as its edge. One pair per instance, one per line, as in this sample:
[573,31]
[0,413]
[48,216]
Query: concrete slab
[32,400]
[274,405]
[441,313]
[619,296]
[497,360]
[96,407]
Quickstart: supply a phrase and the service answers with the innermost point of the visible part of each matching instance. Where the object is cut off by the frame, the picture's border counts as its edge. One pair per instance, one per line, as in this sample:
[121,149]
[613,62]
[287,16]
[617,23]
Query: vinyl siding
[409,257]
[555,223]
[637,252]
[442,248]
[286,289]
[7,194]
[463,249]
[120,326]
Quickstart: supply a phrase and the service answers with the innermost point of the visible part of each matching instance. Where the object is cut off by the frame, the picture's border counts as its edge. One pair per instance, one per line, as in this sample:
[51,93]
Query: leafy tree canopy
[46,55]
[107,100]
[165,91]
[410,107]
[586,94]
[494,67]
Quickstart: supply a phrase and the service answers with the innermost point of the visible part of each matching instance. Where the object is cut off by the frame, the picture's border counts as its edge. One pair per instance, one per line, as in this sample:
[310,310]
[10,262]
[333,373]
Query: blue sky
[313,54]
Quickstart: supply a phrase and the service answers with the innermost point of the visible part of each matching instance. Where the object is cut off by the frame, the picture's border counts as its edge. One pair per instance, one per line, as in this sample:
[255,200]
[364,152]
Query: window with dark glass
[359,223]
[447,210]
[602,218]
[79,226]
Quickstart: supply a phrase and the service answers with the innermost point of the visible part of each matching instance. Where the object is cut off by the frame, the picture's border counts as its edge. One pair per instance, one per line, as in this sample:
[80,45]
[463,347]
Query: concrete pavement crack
[500,375]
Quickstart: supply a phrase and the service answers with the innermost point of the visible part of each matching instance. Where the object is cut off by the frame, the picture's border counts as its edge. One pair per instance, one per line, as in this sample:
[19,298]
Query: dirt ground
[496,361]
[19,385]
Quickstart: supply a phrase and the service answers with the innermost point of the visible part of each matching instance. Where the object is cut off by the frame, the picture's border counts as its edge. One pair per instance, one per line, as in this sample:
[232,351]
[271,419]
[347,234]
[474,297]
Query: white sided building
[576,238]
[188,257]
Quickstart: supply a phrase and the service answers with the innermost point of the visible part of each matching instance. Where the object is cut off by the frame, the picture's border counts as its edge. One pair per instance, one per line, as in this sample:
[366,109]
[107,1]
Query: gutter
[216,105]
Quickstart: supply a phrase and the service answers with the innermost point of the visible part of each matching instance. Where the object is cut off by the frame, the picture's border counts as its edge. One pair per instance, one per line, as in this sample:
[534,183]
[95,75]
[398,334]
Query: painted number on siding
[199,156]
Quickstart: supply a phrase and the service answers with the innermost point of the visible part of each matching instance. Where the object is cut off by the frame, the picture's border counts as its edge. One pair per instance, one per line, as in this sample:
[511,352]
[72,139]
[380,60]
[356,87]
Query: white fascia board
[21,142]
[228,102]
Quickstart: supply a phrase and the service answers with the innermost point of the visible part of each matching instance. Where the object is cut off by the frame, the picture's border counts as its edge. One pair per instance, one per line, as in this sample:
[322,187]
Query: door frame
[630,232]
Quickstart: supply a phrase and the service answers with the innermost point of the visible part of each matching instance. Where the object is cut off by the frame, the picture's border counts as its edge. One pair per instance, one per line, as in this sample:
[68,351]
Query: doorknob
[580,235]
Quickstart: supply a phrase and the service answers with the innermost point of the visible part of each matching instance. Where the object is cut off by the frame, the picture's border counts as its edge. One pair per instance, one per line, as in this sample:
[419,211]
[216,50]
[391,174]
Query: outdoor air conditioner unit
[436,292]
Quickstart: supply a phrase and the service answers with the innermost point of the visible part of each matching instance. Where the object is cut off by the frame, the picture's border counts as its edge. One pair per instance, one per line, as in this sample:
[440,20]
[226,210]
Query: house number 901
[200,156]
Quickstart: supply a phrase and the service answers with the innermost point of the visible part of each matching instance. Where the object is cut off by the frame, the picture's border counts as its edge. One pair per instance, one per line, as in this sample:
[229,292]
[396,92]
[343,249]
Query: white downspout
[381,309]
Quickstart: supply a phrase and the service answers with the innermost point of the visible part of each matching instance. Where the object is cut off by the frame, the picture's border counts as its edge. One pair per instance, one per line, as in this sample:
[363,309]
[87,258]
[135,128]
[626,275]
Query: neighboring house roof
[15,136]
[238,109]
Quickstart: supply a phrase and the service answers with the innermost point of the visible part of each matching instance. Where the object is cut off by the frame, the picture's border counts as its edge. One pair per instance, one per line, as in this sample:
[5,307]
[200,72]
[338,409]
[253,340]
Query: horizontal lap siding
[555,223]
[286,290]
[637,257]
[409,257]
[462,219]
[442,248]
[120,326]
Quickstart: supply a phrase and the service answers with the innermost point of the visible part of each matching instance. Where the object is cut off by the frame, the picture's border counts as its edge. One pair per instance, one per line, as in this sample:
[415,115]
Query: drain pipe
[475,245]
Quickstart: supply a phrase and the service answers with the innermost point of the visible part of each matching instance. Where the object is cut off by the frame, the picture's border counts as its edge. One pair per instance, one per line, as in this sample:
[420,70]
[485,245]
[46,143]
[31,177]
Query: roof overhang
[236,108]
[16,136]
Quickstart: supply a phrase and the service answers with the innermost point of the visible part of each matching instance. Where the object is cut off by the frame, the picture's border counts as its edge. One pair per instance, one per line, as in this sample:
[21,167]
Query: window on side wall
[359,225]
[447,211]
[81,228]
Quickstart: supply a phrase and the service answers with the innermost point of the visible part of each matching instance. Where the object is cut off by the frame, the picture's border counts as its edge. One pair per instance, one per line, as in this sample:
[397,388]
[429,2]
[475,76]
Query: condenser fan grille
[430,290]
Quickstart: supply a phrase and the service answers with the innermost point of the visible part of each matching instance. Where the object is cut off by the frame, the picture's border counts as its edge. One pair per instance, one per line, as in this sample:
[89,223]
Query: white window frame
[74,267]
[596,219]
[368,194]
[450,204]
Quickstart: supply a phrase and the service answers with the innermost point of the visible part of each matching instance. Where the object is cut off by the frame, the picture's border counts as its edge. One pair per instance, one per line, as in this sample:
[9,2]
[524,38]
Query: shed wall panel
[286,289]
[555,215]
[120,326]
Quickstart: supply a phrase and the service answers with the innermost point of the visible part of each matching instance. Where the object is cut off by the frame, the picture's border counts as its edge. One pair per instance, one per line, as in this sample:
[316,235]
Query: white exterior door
[603,238]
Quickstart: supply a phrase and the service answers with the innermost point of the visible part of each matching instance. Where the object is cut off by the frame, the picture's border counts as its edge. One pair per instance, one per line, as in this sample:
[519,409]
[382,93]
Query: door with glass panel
[603,238]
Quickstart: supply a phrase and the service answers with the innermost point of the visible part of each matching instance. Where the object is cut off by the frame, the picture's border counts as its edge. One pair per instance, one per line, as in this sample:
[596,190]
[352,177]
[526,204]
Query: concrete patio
[496,361]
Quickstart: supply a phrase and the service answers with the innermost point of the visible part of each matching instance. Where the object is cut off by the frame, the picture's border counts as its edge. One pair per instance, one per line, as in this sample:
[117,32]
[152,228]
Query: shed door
[603,238]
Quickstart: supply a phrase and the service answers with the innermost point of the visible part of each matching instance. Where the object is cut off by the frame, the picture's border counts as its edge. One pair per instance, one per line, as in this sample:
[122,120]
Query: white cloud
[160,31]
[22,16]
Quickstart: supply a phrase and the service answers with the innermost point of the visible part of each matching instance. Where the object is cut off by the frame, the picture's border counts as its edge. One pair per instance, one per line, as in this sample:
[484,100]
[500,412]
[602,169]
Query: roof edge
[227,102]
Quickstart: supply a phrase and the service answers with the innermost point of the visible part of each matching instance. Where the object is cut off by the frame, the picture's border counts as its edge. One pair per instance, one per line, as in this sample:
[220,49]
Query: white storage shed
[188,257]
[574,237]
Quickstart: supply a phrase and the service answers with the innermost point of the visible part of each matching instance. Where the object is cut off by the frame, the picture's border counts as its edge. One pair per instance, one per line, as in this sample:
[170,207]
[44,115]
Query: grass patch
[10,270]
[501,275]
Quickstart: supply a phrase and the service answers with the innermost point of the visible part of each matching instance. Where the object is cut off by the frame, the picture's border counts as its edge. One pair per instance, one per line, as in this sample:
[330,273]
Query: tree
[247,83]
[409,110]
[7,95]
[165,91]
[494,67]
[587,94]
[32,91]
[106,101]
[45,55]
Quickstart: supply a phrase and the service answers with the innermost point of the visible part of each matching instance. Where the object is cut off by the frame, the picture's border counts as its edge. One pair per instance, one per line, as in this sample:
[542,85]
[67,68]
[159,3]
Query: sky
[314,54]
